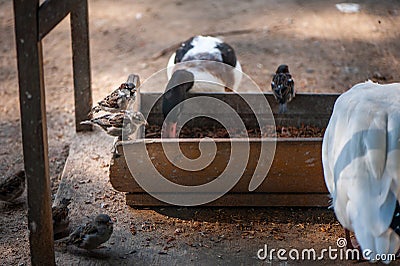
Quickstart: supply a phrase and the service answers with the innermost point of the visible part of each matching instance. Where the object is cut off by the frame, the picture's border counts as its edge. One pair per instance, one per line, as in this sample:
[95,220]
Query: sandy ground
[327,51]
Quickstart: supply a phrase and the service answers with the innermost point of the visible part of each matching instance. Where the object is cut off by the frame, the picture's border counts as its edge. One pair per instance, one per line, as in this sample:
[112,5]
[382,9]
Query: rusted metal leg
[34,131]
[81,64]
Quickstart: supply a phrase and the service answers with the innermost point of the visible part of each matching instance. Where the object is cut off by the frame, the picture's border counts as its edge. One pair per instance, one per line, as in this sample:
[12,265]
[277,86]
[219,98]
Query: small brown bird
[93,233]
[283,87]
[120,98]
[12,186]
[121,124]
[61,219]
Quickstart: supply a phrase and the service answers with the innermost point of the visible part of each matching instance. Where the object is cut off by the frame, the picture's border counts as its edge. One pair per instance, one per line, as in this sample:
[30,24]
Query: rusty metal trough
[295,177]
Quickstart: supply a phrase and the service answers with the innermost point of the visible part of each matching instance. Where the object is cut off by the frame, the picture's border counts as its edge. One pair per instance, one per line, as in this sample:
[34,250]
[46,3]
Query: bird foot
[114,147]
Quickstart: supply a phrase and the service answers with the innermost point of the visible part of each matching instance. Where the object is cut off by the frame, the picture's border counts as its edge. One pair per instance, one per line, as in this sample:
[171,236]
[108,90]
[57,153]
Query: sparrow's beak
[169,130]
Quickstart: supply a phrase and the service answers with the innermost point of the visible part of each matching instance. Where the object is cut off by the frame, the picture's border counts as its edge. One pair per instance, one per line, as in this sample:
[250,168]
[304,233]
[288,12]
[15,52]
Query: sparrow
[61,219]
[120,98]
[92,234]
[121,124]
[12,186]
[283,87]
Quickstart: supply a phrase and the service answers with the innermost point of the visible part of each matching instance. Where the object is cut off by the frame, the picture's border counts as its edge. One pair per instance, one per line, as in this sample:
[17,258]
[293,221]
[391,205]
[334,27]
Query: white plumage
[361,159]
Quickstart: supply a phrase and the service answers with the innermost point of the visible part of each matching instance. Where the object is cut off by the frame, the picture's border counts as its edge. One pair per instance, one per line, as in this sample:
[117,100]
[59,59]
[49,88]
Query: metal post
[81,63]
[34,131]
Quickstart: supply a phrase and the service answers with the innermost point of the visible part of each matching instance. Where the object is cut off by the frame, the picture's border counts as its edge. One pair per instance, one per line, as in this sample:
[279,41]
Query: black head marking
[130,86]
[182,50]
[228,54]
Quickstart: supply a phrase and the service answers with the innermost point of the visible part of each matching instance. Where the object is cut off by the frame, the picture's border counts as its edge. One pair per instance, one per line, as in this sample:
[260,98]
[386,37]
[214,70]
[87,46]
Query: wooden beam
[34,131]
[81,64]
[51,12]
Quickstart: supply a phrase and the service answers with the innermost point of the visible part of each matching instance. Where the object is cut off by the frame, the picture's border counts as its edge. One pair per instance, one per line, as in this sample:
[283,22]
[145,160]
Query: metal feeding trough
[295,177]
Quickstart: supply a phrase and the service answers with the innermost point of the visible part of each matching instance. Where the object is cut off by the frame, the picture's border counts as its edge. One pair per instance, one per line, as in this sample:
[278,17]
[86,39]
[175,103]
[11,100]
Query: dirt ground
[326,50]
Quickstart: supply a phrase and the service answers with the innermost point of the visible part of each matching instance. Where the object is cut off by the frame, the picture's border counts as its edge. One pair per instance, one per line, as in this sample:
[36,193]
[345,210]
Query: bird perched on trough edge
[92,234]
[120,98]
[360,156]
[12,186]
[120,124]
[198,74]
[283,87]
[61,219]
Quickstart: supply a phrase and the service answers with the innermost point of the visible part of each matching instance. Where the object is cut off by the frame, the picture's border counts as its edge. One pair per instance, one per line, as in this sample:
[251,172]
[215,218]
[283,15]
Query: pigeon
[121,124]
[61,219]
[283,87]
[200,64]
[92,234]
[120,98]
[12,186]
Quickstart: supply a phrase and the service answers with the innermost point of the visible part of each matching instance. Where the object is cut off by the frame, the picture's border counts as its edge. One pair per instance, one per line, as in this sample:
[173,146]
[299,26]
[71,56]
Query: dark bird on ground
[283,87]
[92,234]
[61,219]
[199,73]
[12,186]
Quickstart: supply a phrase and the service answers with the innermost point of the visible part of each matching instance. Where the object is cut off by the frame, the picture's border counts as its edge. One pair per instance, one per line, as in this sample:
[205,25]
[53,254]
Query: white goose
[361,160]
[198,55]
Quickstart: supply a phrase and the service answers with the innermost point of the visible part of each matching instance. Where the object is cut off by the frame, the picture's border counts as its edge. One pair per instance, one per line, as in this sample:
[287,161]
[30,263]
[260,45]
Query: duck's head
[175,93]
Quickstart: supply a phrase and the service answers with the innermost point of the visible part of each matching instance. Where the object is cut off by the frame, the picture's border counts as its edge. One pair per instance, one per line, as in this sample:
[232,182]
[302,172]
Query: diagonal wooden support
[34,131]
[51,12]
